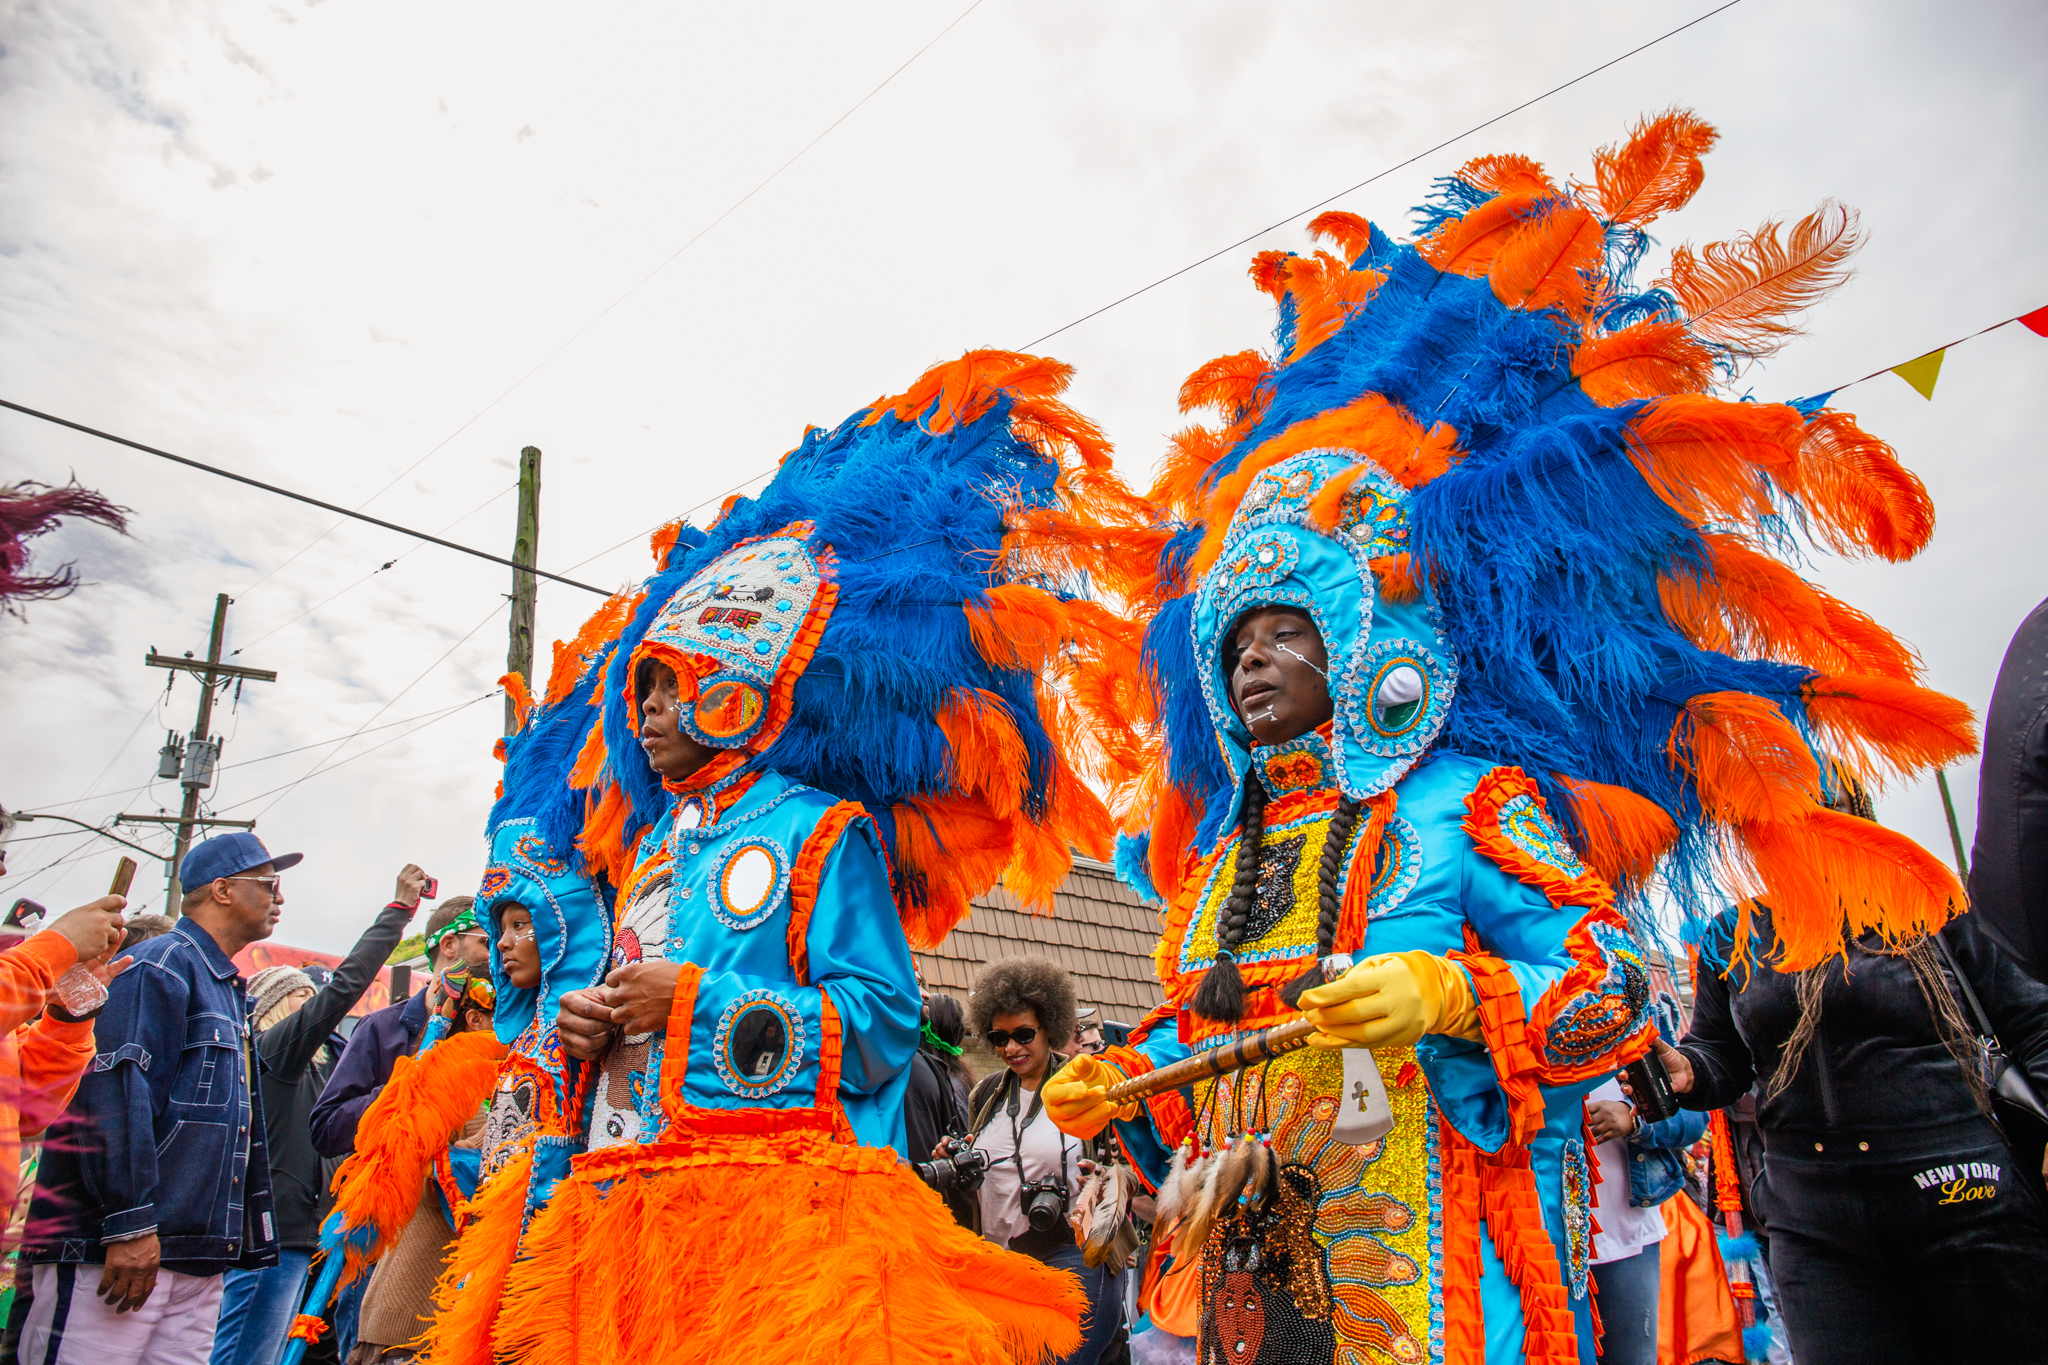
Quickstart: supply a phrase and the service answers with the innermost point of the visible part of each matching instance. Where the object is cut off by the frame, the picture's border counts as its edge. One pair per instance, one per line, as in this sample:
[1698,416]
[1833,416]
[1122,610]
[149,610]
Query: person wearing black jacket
[296,1050]
[935,1103]
[2009,865]
[1902,1227]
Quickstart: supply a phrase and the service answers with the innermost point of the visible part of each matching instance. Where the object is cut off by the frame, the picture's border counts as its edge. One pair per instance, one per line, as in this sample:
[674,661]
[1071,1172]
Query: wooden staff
[1248,1051]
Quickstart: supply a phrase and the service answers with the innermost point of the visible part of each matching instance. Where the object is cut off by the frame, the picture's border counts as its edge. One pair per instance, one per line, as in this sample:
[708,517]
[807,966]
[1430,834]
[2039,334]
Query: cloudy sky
[371,249]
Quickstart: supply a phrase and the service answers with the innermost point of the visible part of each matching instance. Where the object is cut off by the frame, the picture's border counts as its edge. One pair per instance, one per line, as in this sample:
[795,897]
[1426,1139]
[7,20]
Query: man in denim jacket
[158,1172]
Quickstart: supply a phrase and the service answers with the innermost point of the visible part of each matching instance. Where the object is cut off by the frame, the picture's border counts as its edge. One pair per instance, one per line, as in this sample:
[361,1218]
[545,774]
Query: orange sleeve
[28,972]
[54,1055]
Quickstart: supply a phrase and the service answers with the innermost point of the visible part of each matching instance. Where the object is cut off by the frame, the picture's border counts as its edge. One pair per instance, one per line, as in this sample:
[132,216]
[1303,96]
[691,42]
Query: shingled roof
[1099,931]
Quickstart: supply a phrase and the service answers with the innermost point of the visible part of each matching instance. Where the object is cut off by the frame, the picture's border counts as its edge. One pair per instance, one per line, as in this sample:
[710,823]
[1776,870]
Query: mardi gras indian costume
[881,751]
[1561,655]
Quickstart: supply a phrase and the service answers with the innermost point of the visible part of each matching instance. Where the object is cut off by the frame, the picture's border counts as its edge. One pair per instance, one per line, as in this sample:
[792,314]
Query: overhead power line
[1245,241]
[1380,175]
[298,497]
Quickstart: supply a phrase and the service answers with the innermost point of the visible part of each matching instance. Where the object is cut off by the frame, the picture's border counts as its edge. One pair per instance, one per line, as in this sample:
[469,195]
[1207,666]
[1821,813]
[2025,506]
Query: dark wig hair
[1025,983]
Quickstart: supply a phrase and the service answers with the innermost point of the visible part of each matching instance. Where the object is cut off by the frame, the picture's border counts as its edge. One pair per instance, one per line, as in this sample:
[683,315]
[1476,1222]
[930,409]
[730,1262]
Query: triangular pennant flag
[2036,322]
[1922,373]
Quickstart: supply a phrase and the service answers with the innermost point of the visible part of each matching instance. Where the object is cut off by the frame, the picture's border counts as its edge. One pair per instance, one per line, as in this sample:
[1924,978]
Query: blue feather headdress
[866,625]
[1599,542]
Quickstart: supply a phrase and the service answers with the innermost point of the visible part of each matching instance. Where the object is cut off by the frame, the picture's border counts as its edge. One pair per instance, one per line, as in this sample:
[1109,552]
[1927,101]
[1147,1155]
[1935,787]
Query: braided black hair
[1329,899]
[1221,993]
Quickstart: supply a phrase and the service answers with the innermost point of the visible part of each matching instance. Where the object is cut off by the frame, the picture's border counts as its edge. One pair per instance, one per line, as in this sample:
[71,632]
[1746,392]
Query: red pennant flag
[2036,322]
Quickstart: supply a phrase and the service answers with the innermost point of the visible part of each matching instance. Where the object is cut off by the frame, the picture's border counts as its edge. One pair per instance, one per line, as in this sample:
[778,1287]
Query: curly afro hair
[1025,983]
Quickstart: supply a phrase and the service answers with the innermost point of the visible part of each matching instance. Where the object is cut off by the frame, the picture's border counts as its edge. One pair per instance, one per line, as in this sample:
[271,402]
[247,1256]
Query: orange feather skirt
[782,1249]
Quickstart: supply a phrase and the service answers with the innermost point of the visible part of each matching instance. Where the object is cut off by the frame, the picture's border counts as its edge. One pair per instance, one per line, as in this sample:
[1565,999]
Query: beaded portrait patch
[759,1044]
[1283,920]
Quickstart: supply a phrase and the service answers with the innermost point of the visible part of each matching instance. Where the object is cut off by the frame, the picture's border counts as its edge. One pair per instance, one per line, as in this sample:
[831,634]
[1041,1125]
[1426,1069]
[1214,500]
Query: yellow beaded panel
[1375,1216]
[1298,842]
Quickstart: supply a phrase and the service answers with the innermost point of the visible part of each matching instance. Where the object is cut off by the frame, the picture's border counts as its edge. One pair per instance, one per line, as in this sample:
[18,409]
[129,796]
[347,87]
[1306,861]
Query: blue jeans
[1105,1305]
[257,1308]
[1629,1293]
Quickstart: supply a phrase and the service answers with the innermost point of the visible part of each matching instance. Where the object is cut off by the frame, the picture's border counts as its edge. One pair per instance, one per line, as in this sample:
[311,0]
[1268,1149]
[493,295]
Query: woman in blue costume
[816,745]
[1461,626]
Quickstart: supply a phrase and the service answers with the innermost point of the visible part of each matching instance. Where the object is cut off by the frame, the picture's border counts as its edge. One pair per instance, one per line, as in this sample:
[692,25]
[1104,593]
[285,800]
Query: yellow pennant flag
[1922,373]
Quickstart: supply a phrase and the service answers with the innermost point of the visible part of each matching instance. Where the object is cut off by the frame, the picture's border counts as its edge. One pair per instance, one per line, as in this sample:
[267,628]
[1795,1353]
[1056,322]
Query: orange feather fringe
[1624,835]
[1833,874]
[1857,494]
[1348,232]
[1647,360]
[1754,606]
[1747,761]
[749,1250]
[467,1299]
[411,1122]
[1225,385]
[1507,173]
[522,700]
[1468,245]
[1872,720]
[1551,262]
[1707,458]
[1741,292]
[1658,171]
[607,623]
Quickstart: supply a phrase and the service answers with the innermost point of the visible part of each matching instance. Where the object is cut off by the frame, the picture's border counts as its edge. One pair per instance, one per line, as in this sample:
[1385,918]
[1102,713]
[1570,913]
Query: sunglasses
[1003,1037]
[271,884]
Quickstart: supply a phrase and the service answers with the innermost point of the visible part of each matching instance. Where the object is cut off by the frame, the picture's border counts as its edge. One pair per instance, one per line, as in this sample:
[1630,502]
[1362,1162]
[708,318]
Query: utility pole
[525,587]
[193,763]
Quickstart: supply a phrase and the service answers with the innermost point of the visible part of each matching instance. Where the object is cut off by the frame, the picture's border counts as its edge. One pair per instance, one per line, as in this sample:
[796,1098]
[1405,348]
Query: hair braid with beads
[1220,996]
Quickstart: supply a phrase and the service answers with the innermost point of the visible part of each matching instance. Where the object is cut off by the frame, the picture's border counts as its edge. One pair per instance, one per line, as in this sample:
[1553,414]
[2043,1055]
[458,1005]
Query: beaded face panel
[1283,925]
[742,616]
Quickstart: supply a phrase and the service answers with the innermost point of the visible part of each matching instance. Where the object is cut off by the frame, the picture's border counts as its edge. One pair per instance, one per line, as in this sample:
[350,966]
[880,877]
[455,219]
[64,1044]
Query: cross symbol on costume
[1360,1094]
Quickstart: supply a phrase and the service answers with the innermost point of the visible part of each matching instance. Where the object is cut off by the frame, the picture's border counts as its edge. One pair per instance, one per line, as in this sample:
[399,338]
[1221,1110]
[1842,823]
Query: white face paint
[1303,657]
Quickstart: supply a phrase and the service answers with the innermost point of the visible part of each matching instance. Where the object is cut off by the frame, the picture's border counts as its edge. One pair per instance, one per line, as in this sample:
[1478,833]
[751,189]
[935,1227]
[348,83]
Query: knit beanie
[273,984]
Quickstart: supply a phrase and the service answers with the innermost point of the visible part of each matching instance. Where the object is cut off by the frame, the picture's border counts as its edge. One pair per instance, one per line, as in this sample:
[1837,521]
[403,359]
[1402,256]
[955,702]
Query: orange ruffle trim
[1499,1188]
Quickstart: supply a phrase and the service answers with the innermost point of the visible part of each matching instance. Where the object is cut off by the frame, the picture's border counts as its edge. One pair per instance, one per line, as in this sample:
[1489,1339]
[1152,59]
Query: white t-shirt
[1002,1216]
[1624,1228]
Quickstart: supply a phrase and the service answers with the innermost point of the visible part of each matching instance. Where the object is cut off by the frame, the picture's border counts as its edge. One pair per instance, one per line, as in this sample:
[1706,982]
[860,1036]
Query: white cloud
[301,245]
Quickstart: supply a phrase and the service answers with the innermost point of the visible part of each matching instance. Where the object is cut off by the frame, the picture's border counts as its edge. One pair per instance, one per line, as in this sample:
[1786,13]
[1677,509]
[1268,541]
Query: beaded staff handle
[1247,1051]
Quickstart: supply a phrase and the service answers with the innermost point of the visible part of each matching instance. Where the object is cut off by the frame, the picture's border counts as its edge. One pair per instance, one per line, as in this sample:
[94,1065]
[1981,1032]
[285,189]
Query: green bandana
[936,1041]
[465,920]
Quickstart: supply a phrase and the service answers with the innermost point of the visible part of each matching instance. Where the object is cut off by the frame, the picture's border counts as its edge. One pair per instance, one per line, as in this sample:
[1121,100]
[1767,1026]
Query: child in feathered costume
[832,719]
[1481,514]
[548,912]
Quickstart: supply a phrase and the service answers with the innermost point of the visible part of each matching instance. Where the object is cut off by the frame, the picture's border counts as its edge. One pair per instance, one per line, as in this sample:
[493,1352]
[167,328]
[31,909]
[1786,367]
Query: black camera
[1649,1087]
[960,1173]
[1045,1203]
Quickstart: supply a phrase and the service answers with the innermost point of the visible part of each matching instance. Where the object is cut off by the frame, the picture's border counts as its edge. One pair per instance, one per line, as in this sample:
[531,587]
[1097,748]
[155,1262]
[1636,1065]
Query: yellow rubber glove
[1391,1001]
[1077,1099]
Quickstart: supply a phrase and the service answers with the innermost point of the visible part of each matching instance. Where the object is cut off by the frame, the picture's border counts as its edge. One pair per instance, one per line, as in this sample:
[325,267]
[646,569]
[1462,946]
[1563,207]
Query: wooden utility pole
[200,755]
[526,551]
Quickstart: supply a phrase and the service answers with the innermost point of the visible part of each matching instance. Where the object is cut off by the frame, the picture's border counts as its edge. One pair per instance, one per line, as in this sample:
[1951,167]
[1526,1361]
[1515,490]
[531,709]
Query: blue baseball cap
[225,855]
